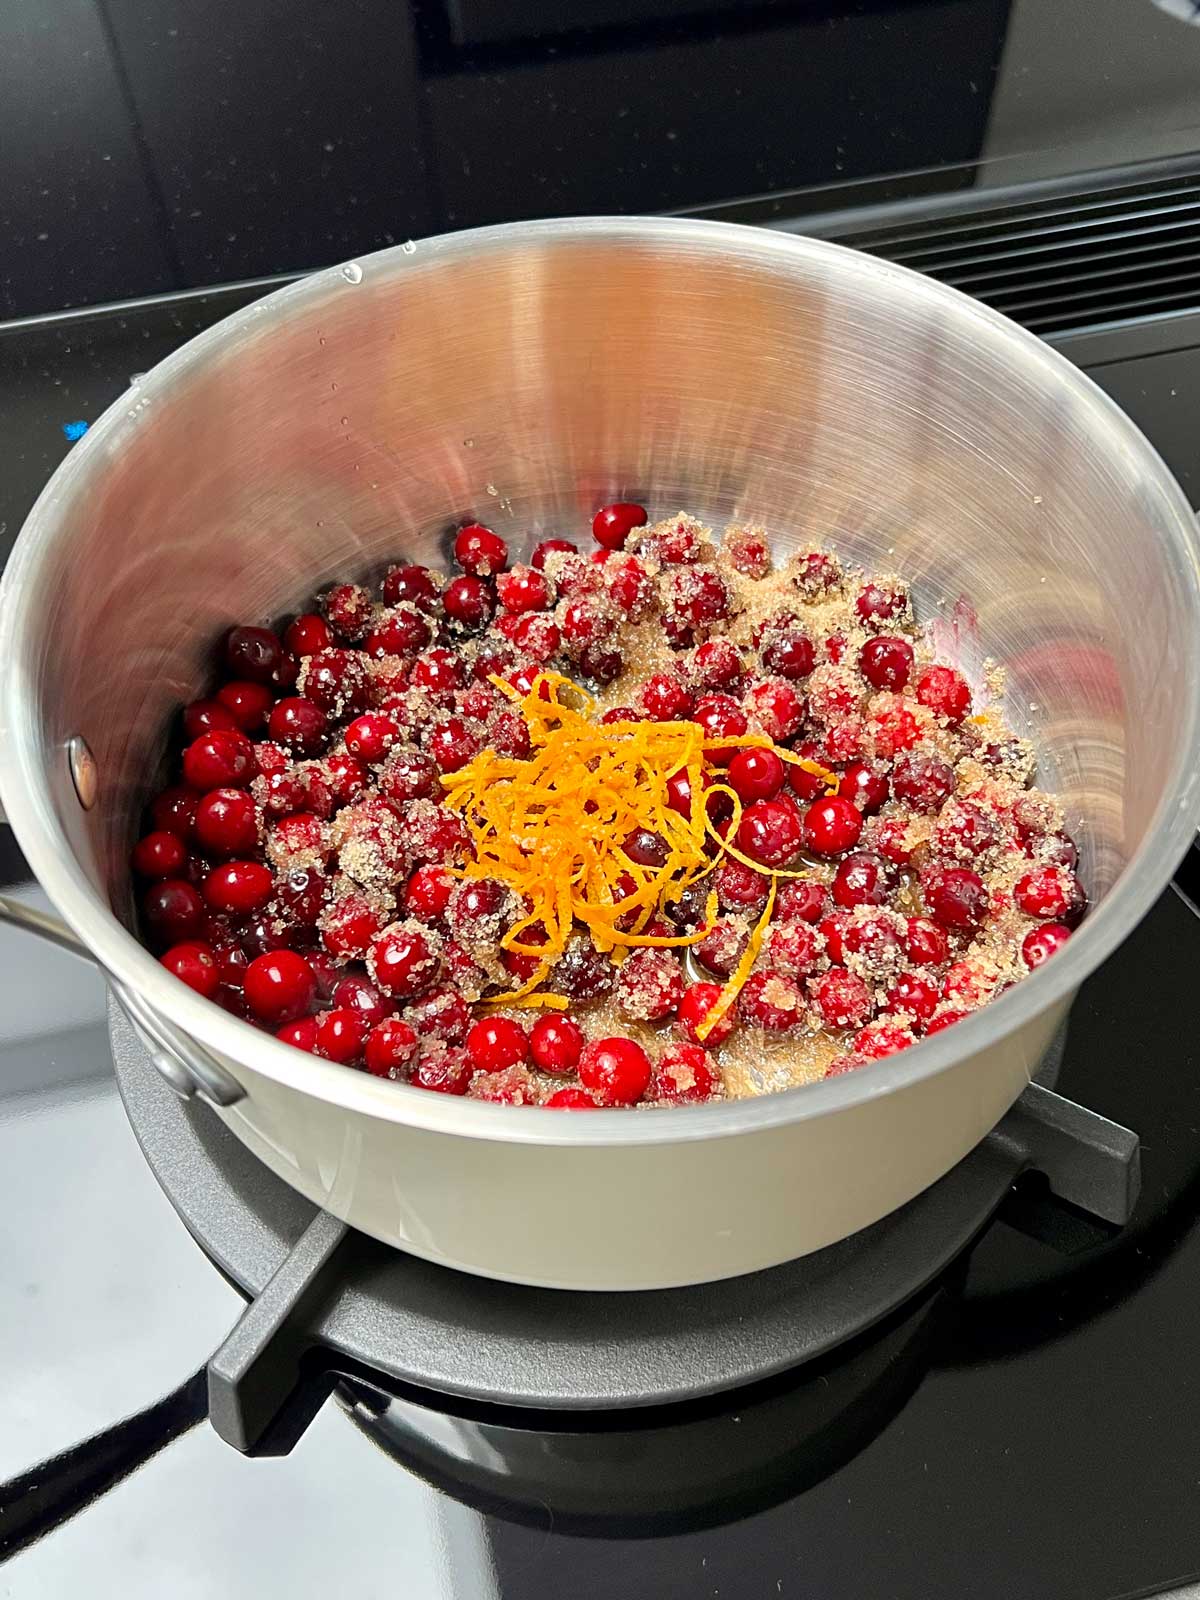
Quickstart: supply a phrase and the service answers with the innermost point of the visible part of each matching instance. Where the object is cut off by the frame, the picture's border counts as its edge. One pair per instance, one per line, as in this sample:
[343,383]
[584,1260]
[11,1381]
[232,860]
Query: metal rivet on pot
[84,772]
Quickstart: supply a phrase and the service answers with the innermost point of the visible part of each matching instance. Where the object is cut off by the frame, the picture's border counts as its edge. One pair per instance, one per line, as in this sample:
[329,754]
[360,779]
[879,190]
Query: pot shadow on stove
[674,1469]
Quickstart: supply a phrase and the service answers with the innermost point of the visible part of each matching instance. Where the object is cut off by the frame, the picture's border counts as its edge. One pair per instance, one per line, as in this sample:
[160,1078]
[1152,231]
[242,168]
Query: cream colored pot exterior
[523,375]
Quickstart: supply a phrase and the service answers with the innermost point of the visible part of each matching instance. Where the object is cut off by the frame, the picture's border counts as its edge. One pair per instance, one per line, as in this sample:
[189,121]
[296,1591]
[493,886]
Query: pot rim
[25,786]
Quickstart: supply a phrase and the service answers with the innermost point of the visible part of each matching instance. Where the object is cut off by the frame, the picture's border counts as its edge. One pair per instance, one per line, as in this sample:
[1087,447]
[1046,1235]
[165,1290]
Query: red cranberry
[298,724]
[925,781]
[581,972]
[337,681]
[674,543]
[428,893]
[371,736]
[646,848]
[158,855]
[253,653]
[664,699]
[443,1072]
[832,825]
[965,830]
[649,986]
[408,775]
[356,994]
[913,996]
[697,1002]
[789,653]
[452,744]
[1047,893]
[881,1039]
[946,1020]
[347,776]
[227,823]
[300,896]
[350,924]
[174,811]
[807,785]
[945,692]
[1039,944]
[398,632]
[414,584]
[349,609]
[685,1076]
[479,551]
[695,597]
[341,1035]
[860,880]
[800,900]
[865,785]
[440,1014]
[716,667]
[263,934]
[613,524]
[771,831]
[239,887]
[772,1001]
[538,636]
[469,602]
[586,621]
[569,1100]
[873,940]
[630,588]
[193,963]
[956,897]
[549,547]
[886,662]
[173,911]
[776,707]
[391,1047]
[719,716]
[877,603]
[404,959]
[925,944]
[205,716]
[308,635]
[723,946]
[497,1042]
[301,1034]
[739,887]
[556,1044]
[247,703]
[756,774]
[616,1071]
[842,998]
[221,759]
[280,986]
[523,589]
[817,573]
[286,672]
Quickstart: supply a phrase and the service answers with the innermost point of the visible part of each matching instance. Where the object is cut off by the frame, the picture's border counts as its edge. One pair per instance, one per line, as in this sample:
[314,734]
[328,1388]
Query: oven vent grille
[1062,261]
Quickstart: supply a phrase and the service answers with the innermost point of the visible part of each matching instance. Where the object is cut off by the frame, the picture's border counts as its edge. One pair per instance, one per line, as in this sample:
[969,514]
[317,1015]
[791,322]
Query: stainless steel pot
[522,375]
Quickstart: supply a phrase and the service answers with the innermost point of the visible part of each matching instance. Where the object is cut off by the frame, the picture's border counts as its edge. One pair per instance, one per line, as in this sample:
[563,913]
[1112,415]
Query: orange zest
[552,826]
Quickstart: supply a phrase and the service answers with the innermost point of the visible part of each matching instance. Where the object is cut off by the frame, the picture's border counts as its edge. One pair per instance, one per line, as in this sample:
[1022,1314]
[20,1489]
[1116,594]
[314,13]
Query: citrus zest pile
[552,828]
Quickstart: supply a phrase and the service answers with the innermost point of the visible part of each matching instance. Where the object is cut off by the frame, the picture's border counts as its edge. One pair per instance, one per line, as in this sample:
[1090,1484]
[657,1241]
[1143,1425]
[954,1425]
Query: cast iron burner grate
[327,1301]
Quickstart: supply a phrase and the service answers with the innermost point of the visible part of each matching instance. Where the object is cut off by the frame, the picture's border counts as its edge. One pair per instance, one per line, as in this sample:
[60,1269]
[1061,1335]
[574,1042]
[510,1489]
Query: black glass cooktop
[147,148]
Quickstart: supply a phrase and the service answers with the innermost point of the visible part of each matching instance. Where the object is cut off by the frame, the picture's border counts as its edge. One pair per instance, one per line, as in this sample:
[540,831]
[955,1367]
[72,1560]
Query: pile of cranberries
[301,871]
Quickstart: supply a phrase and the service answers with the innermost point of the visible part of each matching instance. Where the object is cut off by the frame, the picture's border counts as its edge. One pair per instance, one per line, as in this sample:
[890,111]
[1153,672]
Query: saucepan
[523,375]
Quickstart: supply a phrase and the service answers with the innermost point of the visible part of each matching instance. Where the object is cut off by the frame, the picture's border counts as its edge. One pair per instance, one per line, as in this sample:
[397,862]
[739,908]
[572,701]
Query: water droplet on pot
[352,272]
[409,247]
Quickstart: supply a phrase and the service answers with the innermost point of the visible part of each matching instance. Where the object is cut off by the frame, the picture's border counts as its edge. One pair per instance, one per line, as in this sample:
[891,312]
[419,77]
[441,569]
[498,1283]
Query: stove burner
[333,1302]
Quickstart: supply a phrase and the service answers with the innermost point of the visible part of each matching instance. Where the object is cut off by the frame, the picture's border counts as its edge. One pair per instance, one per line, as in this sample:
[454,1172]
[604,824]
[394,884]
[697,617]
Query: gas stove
[1001,1367]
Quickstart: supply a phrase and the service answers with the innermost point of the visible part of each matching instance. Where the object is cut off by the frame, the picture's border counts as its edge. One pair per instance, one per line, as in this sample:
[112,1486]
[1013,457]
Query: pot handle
[186,1065]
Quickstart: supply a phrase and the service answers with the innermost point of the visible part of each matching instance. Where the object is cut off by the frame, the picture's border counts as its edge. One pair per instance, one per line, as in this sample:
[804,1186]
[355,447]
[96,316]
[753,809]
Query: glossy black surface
[145,148]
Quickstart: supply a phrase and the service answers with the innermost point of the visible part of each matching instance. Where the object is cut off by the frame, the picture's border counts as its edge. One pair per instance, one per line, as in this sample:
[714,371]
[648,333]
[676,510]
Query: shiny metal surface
[523,374]
[185,1064]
